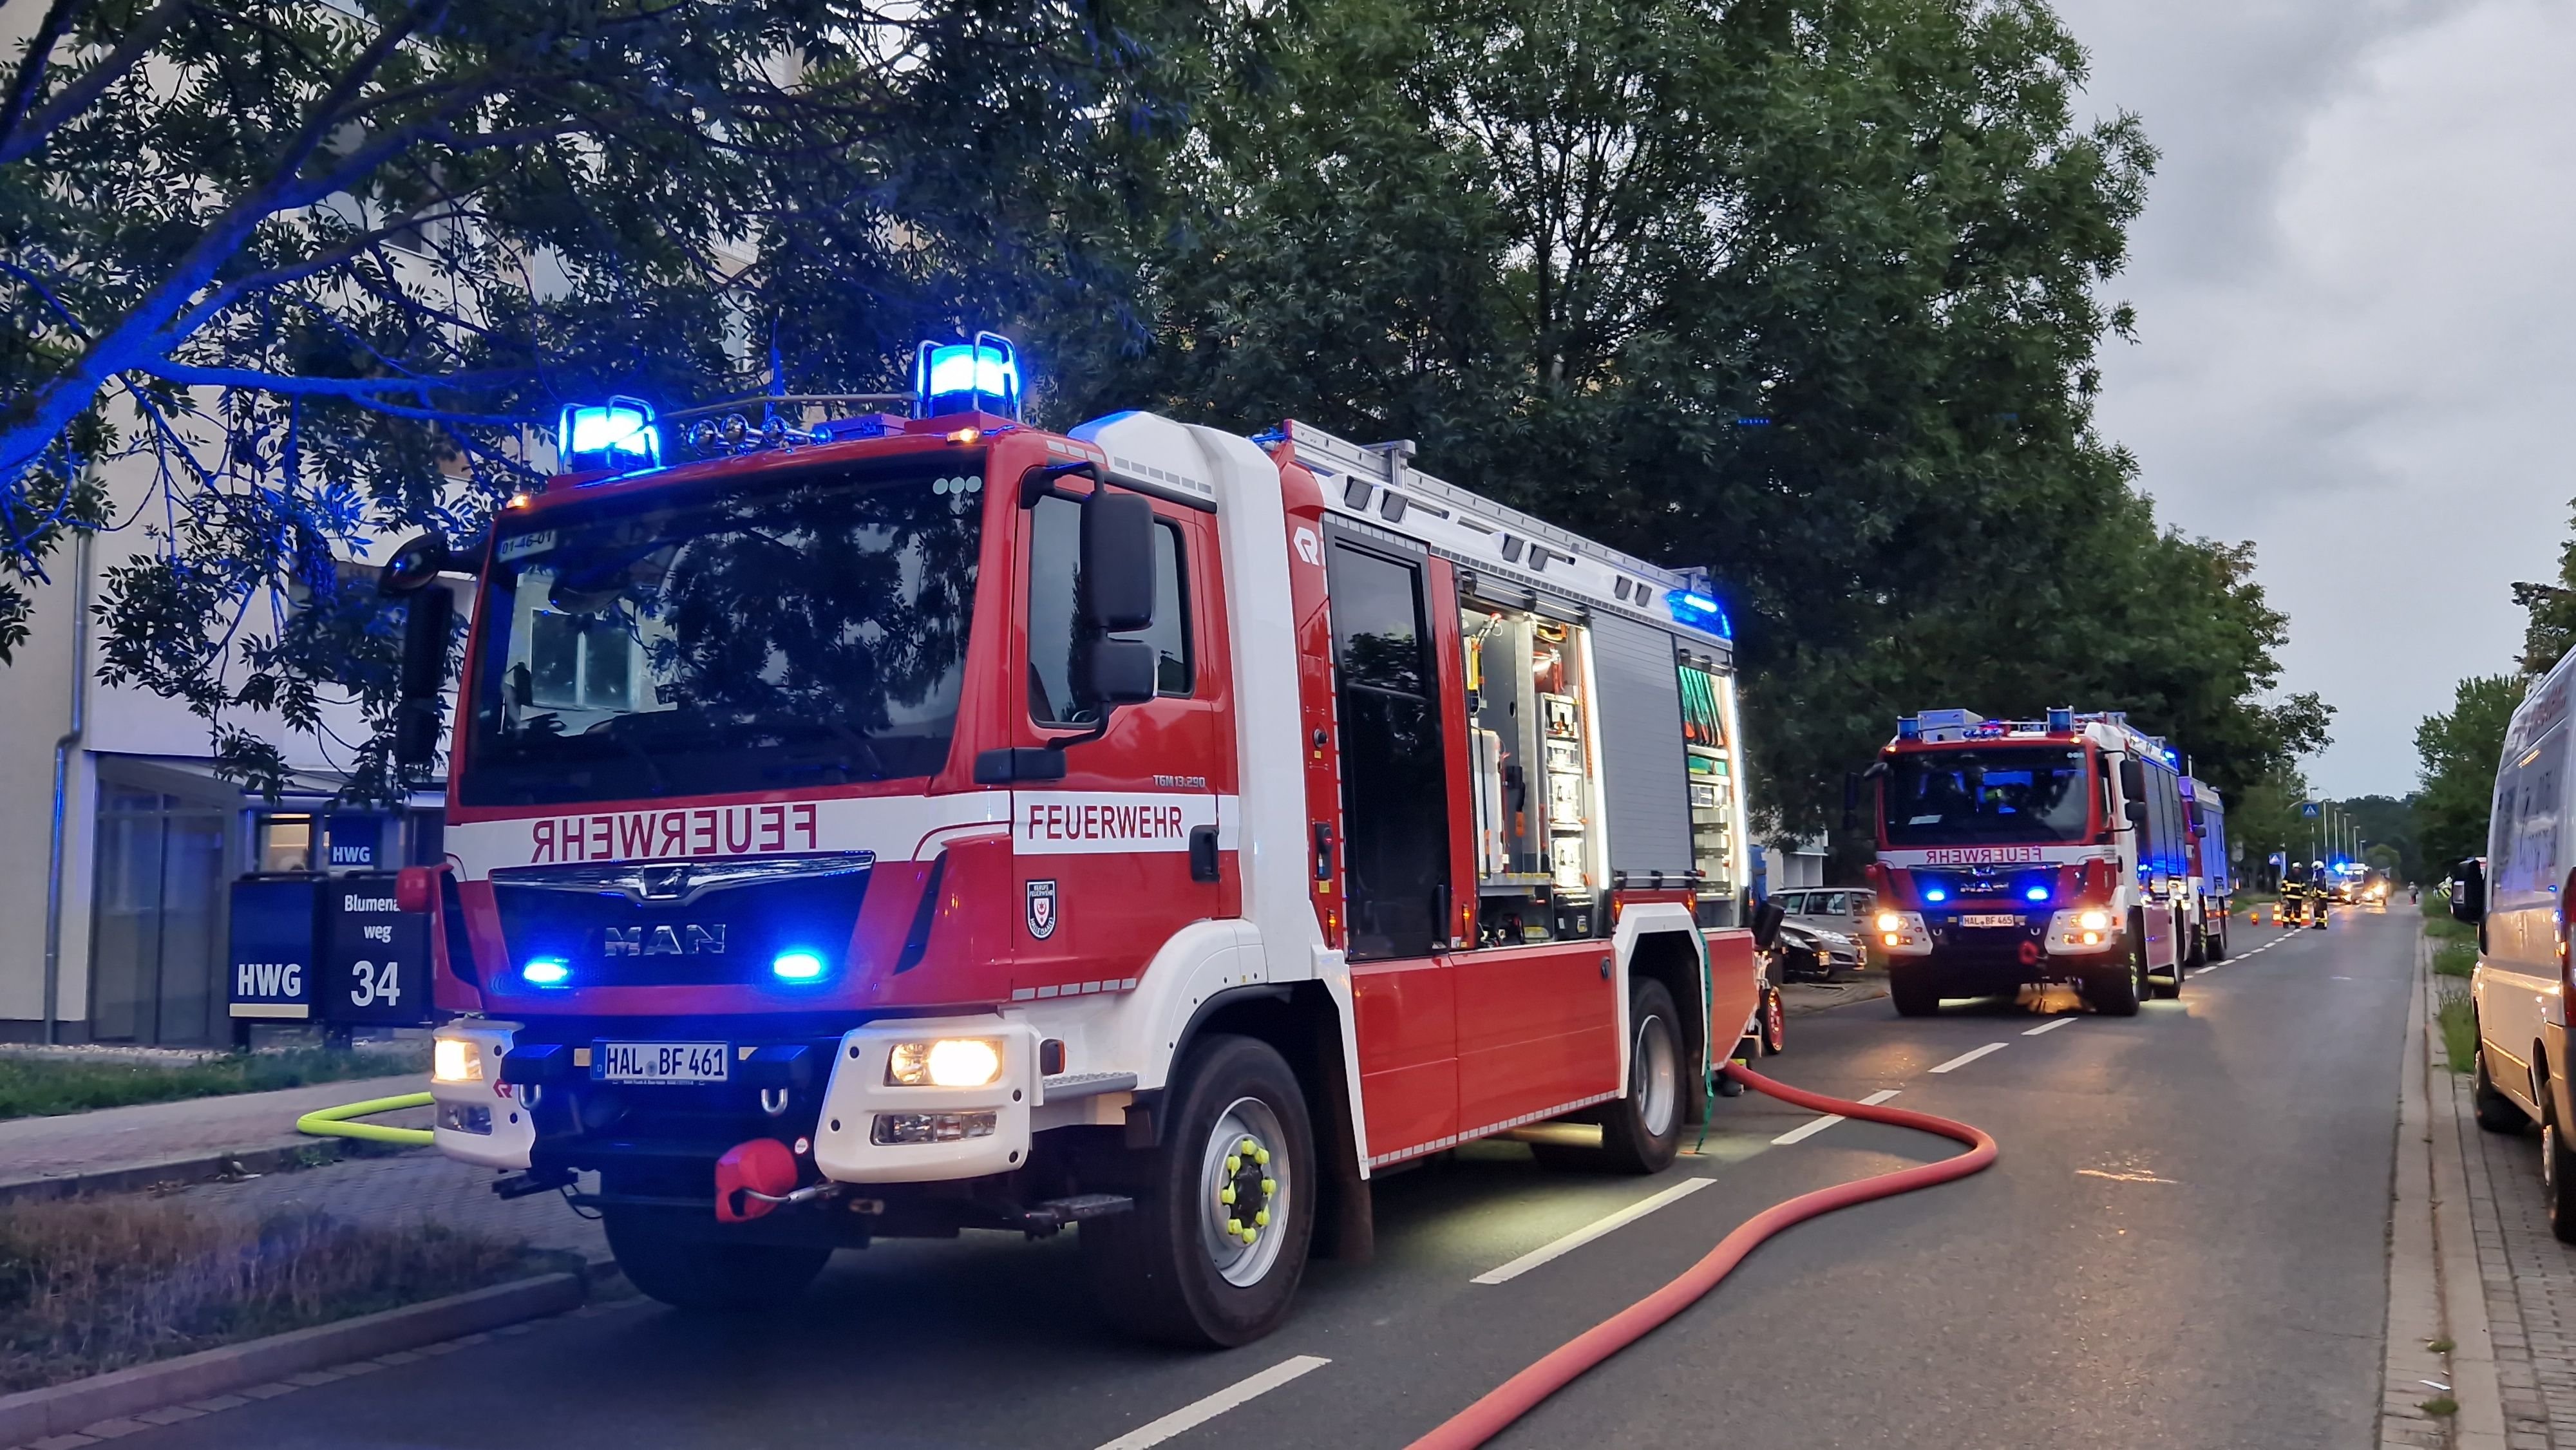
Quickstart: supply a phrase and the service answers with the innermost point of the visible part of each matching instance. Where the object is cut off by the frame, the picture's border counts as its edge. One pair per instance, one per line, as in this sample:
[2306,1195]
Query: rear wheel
[696,1273]
[2218,939]
[1913,991]
[1641,1132]
[1775,1023]
[1213,1251]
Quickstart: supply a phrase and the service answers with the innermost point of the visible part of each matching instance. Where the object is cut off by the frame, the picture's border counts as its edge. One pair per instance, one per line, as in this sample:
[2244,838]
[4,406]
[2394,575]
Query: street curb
[187,1168]
[33,1415]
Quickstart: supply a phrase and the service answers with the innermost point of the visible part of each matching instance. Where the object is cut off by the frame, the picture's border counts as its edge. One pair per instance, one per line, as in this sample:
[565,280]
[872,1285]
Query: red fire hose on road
[1520,1394]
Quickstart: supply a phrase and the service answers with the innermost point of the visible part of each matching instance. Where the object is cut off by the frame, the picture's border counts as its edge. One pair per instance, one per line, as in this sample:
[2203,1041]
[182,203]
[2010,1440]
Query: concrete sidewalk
[77,1144]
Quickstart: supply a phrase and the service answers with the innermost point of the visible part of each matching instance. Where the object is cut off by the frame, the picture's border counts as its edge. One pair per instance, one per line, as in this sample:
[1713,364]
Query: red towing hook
[752,1178]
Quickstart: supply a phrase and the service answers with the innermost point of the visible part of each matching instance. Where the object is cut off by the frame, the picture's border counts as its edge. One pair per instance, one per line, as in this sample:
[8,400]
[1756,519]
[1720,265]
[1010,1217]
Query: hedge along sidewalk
[133,1147]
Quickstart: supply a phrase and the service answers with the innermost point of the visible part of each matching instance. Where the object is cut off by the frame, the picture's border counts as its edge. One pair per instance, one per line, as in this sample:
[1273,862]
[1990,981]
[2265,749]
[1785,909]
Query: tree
[1805,291]
[326,270]
[2458,752]
[2552,608]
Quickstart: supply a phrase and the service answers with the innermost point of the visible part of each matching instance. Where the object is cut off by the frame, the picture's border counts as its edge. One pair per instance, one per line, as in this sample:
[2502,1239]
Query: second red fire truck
[2012,853]
[897,825]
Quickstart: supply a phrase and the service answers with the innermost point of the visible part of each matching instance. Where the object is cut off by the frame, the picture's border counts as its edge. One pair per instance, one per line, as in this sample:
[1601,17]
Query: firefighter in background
[2321,895]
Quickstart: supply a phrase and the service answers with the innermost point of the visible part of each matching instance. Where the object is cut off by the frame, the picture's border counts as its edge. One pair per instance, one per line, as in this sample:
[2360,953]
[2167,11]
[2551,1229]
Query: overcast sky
[2356,287]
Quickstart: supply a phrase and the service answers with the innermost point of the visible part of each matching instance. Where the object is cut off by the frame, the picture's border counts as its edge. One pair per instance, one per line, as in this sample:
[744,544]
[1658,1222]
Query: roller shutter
[1642,776]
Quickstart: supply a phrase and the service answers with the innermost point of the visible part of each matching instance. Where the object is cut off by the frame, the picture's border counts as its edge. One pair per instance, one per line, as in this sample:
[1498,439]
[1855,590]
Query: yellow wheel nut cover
[1233,1164]
[1249,1145]
[1250,1234]
[1225,1195]
[1261,1156]
[1269,1186]
[1234,1225]
[1262,1219]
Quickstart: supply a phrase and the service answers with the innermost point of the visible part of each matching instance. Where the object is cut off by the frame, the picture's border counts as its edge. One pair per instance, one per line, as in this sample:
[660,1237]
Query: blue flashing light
[1699,612]
[546,971]
[1935,893]
[2036,893]
[2061,720]
[616,434]
[796,966]
[982,376]
[1908,727]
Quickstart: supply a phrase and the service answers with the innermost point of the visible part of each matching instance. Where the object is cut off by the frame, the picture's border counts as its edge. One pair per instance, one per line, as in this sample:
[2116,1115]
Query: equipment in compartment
[1709,757]
[1532,775]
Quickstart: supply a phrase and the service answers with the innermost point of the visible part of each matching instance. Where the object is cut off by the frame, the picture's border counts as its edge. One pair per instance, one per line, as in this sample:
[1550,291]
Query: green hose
[334,1122]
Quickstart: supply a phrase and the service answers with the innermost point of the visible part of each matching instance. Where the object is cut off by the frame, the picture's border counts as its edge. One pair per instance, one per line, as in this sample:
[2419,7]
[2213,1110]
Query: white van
[2517,899]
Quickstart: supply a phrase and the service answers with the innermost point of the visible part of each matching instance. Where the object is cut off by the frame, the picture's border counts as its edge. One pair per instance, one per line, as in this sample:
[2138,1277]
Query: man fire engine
[2013,853]
[886,826]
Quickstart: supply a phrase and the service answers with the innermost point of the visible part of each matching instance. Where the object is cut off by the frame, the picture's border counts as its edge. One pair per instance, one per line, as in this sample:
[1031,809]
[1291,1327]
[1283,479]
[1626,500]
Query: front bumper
[863,1129]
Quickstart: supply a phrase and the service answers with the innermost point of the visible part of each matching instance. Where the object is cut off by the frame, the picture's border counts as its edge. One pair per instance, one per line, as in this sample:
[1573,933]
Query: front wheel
[1213,1251]
[708,1276]
[1775,1023]
[1913,991]
[1641,1132]
[2494,1111]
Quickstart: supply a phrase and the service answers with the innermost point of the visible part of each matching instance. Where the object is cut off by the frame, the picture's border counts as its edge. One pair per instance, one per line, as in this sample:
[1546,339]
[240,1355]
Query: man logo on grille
[1042,909]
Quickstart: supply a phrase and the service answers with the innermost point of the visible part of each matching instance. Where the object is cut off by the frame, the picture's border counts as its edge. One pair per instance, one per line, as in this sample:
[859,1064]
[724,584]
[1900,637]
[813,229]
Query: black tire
[2218,940]
[1155,1270]
[1775,1023]
[2114,988]
[1913,991]
[1641,1132]
[702,1275]
[2494,1111]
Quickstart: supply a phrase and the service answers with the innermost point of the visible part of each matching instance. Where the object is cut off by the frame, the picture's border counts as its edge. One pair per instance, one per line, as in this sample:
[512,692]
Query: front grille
[724,933]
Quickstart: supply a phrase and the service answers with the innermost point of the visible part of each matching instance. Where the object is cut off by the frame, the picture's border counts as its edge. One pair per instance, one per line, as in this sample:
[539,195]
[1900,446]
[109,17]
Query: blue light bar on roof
[1699,612]
[615,434]
[982,376]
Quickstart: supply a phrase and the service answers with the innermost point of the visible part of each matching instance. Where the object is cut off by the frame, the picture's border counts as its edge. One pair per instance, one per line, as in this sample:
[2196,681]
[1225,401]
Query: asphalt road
[2183,1245]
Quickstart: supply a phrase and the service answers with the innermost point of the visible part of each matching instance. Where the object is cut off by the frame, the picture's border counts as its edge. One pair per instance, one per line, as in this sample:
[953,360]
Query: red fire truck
[890,826]
[2012,853]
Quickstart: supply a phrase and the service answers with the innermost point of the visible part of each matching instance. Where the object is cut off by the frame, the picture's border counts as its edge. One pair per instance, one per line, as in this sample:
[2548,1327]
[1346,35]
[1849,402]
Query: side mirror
[1118,563]
[1766,922]
[2469,891]
[427,615]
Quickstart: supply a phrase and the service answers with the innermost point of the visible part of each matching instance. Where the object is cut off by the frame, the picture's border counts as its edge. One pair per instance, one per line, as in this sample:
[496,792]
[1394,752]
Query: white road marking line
[1199,1412]
[1588,1233]
[1804,1131]
[2050,1025]
[1963,1059]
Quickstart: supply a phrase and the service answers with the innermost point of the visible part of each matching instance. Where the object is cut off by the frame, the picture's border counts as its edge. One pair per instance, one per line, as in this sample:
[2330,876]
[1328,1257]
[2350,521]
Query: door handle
[1203,853]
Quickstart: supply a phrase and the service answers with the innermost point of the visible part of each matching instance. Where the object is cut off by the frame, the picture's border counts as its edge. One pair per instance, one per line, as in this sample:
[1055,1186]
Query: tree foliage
[1804,291]
[323,271]
[2459,750]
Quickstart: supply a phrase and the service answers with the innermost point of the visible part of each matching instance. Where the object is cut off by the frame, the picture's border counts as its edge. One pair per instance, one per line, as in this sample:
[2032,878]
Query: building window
[286,843]
[156,944]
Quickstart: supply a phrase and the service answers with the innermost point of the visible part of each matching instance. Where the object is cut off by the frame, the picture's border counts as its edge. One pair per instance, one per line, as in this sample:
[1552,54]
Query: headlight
[949,1062]
[2094,921]
[1890,921]
[453,1059]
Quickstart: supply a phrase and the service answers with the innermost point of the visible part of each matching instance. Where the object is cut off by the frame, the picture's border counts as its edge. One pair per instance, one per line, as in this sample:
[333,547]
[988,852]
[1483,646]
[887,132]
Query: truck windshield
[809,631]
[1977,797]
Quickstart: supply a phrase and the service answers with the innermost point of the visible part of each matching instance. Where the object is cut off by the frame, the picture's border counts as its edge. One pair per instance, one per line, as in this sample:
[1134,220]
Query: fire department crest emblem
[1042,916]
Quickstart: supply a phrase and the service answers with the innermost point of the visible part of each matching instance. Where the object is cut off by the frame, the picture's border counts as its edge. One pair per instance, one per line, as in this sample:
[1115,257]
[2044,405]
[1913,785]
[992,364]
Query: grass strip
[2459,1027]
[43,1086]
[93,1285]
[2454,958]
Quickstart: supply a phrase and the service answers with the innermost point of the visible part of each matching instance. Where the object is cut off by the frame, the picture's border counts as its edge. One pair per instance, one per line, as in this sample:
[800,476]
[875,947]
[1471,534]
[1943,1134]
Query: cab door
[1129,847]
